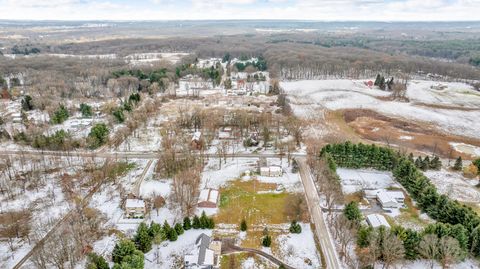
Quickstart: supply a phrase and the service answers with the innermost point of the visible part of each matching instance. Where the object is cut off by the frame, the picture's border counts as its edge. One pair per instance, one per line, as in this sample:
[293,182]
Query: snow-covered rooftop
[133,203]
[377,220]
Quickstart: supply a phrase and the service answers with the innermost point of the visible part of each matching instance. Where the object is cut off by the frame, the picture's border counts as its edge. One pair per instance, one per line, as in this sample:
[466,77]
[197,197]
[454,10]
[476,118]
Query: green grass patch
[240,199]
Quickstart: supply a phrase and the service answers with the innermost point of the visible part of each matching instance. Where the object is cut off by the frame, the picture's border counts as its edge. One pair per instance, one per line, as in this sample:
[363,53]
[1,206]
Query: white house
[387,199]
[135,208]
[206,254]
[377,220]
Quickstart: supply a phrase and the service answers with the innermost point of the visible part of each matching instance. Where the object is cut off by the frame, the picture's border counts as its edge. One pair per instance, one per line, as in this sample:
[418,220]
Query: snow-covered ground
[345,94]
[467,149]
[299,250]
[171,253]
[454,185]
[145,138]
[213,177]
[356,180]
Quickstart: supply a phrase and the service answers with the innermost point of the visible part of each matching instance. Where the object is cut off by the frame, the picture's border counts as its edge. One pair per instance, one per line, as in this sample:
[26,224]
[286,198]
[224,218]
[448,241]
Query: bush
[267,241]
[98,136]
[187,225]
[243,225]
[352,212]
[295,228]
[86,110]
[96,262]
[60,115]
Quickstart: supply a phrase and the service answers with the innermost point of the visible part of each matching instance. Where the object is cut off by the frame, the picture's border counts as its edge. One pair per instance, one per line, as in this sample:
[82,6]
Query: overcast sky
[389,10]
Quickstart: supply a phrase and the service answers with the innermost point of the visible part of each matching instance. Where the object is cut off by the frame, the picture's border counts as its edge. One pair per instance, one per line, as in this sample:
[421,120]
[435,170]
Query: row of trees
[130,253]
[438,207]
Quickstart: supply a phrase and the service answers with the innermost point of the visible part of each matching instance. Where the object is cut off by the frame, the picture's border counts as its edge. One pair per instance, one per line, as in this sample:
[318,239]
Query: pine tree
[363,236]
[122,249]
[418,162]
[243,225]
[203,220]
[410,157]
[210,223]
[179,228]
[267,241]
[172,235]
[96,262]
[187,225]
[142,239]
[155,229]
[425,164]
[352,212]
[435,163]
[295,228]
[458,164]
[196,222]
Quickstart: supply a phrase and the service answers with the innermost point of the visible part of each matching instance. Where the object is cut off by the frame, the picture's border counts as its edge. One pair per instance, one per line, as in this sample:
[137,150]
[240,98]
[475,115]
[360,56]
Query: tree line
[447,212]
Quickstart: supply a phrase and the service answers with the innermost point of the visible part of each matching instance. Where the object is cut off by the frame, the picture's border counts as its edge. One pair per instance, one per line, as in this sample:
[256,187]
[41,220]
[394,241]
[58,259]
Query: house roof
[377,220]
[203,241]
[384,197]
[134,203]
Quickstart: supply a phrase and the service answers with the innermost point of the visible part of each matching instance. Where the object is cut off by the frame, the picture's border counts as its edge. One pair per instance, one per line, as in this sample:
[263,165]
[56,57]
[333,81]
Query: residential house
[135,208]
[206,254]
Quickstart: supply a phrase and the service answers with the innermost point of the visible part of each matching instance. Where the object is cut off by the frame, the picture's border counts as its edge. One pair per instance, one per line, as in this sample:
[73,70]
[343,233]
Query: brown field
[376,127]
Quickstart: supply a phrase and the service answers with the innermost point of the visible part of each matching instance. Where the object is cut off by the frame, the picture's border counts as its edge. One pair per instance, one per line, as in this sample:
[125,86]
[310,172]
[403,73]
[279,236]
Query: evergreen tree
[210,223]
[187,225]
[142,239]
[86,110]
[203,221]
[27,103]
[458,164]
[352,212]
[435,163]
[122,249]
[196,223]
[363,236]
[425,164]
[172,235]
[155,229]
[418,162]
[98,135]
[96,262]
[267,241]
[243,225]
[410,157]
[295,228]
[60,115]
[179,228]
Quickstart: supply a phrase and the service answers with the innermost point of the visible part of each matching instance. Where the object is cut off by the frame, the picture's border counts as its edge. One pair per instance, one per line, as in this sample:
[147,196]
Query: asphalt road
[132,154]
[321,230]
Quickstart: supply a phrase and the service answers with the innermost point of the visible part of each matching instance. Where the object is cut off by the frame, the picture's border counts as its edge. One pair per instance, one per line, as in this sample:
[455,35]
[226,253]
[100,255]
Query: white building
[386,201]
[206,255]
[135,208]
[377,220]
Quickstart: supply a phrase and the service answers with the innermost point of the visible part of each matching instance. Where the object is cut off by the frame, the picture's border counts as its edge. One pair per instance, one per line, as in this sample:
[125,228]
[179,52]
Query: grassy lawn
[241,199]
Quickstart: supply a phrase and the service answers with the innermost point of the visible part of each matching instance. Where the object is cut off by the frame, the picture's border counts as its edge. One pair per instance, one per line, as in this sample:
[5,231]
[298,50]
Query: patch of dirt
[415,136]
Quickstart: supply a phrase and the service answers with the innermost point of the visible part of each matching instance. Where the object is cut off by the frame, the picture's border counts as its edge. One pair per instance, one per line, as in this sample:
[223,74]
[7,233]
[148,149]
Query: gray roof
[203,241]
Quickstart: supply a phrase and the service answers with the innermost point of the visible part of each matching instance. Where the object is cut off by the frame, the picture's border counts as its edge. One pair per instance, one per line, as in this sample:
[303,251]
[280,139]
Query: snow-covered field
[345,94]
[356,180]
[213,177]
[171,253]
[299,250]
[467,149]
[145,138]
[454,185]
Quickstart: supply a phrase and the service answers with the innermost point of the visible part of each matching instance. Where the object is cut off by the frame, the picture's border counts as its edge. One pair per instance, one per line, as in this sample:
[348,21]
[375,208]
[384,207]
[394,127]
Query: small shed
[387,201]
[271,171]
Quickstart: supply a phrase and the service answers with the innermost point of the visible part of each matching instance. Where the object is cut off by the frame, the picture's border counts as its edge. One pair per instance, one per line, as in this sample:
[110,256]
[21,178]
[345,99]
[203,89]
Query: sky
[321,10]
